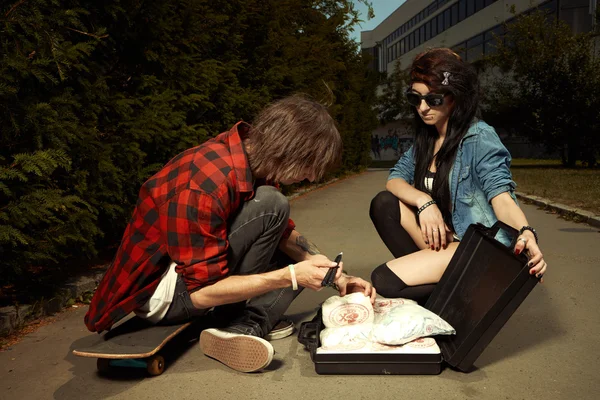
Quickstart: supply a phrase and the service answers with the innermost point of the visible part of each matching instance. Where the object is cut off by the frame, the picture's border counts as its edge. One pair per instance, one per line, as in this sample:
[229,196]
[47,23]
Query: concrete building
[467,26]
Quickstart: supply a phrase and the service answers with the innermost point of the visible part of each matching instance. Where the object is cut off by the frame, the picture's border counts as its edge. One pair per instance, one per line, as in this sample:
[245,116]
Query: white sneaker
[244,353]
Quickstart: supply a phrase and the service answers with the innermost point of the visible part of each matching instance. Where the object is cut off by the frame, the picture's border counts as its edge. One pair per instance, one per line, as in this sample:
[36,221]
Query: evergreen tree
[97,96]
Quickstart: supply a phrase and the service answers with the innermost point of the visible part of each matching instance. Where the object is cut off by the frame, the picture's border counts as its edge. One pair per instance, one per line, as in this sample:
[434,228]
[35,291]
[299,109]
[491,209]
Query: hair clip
[446,76]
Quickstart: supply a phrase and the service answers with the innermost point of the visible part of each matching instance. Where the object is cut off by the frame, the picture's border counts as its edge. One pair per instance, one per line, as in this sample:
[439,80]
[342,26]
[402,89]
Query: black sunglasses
[432,99]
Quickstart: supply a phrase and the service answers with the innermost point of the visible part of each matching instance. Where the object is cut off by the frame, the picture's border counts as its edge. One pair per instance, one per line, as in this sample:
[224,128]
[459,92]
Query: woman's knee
[382,205]
[386,282]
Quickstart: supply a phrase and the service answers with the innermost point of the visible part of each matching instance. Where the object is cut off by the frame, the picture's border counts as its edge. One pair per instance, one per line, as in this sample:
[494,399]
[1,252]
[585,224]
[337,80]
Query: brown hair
[428,67]
[444,72]
[292,136]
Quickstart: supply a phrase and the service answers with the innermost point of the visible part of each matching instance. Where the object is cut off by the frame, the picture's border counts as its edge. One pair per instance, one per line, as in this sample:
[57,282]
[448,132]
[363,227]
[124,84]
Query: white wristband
[293,274]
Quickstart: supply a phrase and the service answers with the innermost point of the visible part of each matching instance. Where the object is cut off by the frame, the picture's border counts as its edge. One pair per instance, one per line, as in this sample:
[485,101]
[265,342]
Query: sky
[382,9]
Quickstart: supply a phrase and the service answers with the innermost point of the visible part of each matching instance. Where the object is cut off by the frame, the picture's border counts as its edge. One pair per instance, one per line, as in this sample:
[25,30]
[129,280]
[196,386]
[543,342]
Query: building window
[470,7]
[475,48]
[479,5]
[492,37]
[402,47]
[462,10]
[422,34]
[460,49]
[490,47]
[497,31]
[474,41]
[440,23]
[427,31]
[475,53]
[433,24]
[454,14]
[447,18]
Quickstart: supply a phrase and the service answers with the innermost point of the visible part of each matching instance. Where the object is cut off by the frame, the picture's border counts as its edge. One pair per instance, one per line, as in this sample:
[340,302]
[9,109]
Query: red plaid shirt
[182,212]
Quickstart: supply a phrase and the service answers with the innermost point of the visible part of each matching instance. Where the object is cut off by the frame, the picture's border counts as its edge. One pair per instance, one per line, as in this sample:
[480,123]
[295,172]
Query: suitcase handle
[512,232]
[307,335]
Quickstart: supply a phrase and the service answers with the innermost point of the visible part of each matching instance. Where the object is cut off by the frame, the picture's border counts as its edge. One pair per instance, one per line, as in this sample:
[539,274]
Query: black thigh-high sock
[389,285]
[385,214]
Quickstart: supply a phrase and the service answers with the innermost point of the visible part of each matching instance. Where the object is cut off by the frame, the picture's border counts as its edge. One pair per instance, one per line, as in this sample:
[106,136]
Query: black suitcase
[482,287]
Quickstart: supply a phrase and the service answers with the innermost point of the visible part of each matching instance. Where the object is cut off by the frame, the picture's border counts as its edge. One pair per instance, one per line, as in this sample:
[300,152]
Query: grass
[531,163]
[576,187]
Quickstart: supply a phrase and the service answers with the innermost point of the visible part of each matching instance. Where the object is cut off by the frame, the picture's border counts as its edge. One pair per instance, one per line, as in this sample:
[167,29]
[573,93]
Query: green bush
[97,96]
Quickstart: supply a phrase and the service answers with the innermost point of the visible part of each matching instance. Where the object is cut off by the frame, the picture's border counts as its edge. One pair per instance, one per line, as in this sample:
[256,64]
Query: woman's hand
[526,242]
[435,232]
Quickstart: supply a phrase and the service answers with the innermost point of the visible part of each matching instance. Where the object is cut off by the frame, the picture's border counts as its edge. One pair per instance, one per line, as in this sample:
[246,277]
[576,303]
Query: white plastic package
[348,321]
[384,306]
[352,309]
[406,322]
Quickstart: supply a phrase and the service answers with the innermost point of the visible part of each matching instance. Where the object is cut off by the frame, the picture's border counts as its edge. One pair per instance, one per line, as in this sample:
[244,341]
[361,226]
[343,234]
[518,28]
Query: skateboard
[134,343]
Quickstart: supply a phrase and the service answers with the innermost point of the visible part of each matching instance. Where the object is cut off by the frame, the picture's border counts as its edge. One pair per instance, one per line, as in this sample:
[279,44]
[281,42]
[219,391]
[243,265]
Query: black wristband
[424,206]
[531,229]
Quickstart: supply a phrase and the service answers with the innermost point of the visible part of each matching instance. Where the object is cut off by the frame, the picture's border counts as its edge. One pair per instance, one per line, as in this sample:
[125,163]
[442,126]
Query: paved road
[548,349]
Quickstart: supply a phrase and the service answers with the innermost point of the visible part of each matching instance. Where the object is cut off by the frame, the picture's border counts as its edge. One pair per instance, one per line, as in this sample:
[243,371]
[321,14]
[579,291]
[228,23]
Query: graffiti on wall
[391,144]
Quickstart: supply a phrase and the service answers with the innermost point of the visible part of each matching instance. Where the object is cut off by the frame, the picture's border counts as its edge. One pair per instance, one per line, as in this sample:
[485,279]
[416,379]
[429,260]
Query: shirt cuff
[500,190]
[288,230]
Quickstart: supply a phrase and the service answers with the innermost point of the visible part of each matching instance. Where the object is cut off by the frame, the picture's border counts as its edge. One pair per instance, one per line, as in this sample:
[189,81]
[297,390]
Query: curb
[15,317]
[310,188]
[562,209]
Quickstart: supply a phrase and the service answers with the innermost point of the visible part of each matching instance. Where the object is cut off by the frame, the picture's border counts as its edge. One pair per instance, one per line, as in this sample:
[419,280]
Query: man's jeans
[254,236]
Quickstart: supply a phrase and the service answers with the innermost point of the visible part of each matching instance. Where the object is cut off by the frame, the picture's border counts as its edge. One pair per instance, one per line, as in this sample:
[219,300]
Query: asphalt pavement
[547,350]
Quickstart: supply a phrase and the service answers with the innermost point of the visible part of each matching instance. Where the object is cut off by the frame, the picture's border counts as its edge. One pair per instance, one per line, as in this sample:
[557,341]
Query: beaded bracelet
[424,206]
[532,230]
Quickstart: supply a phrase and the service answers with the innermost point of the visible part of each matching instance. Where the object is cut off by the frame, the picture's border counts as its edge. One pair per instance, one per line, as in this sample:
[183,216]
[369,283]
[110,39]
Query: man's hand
[310,273]
[350,284]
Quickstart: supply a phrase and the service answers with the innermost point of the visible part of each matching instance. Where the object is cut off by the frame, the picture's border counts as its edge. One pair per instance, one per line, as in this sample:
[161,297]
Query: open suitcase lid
[483,285]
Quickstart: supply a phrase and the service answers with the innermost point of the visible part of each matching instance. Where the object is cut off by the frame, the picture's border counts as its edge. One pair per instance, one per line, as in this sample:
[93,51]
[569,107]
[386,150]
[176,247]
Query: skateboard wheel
[155,365]
[103,364]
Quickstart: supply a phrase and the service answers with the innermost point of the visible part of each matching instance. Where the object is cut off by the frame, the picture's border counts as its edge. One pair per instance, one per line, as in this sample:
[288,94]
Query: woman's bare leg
[425,266]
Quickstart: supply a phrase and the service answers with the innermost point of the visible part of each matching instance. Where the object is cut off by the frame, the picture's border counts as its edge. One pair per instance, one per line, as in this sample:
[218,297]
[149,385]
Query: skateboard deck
[135,343]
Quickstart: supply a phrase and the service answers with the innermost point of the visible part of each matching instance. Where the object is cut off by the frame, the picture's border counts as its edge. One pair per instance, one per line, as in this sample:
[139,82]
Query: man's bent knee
[273,200]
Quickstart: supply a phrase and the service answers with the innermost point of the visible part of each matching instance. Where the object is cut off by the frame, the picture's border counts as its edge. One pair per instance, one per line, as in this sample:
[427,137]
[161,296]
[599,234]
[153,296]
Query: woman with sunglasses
[457,173]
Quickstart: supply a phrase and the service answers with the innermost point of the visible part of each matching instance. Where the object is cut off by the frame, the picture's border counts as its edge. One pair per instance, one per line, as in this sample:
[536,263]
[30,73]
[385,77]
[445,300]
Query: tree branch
[13,7]
[88,34]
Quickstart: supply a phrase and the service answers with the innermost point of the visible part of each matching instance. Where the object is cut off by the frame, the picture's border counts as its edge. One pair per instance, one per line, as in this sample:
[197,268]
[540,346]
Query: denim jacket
[480,172]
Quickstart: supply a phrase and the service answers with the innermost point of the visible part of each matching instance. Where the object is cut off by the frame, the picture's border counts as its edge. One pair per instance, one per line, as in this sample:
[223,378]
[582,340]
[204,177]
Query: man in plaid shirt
[208,234]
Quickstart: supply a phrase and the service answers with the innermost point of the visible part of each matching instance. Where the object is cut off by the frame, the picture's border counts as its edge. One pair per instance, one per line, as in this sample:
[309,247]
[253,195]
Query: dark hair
[463,85]
[292,136]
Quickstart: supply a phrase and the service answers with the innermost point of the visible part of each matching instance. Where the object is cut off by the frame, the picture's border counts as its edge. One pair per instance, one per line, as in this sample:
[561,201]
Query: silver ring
[434,230]
[523,240]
